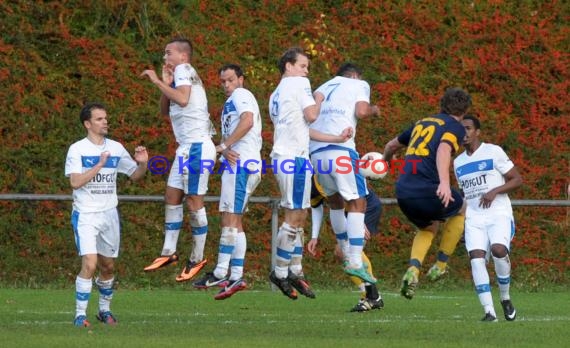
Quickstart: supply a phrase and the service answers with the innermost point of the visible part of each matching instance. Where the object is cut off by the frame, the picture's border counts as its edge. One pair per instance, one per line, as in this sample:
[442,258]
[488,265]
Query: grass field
[262,318]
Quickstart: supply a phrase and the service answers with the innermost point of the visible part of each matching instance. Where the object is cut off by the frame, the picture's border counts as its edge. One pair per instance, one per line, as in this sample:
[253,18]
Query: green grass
[262,318]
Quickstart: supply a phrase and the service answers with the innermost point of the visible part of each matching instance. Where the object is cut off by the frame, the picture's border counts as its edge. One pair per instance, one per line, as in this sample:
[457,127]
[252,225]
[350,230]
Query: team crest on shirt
[482,165]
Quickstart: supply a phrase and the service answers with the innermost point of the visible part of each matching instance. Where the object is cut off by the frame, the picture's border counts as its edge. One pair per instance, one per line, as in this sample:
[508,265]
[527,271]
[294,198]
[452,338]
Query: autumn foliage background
[513,58]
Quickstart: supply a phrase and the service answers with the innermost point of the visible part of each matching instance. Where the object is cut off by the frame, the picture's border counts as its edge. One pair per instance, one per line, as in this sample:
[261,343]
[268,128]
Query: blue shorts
[422,212]
[373,212]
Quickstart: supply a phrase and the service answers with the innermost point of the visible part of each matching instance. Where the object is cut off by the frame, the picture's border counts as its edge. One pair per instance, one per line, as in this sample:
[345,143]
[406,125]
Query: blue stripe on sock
[106,292]
[298,250]
[481,288]
[226,249]
[237,262]
[504,281]
[356,241]
[82,296]
[284,254]
[199,230]
[173,225]
[342,236]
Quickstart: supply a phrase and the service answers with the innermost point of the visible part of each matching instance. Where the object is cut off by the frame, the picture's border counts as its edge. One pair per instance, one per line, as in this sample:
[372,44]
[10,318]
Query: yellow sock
[451,234]
[356,281]
[420,248]
[366,260]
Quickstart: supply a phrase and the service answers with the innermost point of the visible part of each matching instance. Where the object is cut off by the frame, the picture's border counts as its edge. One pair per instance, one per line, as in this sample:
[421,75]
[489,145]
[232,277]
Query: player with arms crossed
[241,146]
[92,165]
[292,108]
[423,189]
[184,100]
[486,174]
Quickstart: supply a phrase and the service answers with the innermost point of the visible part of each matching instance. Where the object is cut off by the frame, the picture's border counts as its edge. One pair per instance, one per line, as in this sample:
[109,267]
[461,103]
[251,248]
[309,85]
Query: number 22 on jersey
[421,136]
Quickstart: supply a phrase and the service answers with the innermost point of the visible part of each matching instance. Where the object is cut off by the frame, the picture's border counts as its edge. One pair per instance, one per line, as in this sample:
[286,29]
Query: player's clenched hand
[347,133]
[104,157]
[141,155]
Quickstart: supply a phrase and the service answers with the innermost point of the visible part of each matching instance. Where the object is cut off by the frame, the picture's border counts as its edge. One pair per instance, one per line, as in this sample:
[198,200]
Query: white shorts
[237,187]
[192,166]
[97,233]
[482,231]
[294,181]
[334,169]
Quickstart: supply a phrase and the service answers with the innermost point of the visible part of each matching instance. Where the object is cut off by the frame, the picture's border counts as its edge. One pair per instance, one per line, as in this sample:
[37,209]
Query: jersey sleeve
[183,75]
[502,162]
[243,101]
[363,92]
[305,97]
[453,135]
[127,165]
[73,161]
[404,138]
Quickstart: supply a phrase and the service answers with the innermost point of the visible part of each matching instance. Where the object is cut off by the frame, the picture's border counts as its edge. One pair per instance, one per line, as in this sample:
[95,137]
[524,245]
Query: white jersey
[338,110]
[480,173]
[100,193]
[286,105]
[242,100]
[192,122]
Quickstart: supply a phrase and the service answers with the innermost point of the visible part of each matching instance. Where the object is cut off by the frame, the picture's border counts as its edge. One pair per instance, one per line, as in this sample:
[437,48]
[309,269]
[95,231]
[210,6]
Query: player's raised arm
[180,95]
[141,156]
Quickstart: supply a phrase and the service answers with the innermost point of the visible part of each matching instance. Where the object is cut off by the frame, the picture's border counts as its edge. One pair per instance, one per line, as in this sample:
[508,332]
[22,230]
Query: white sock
[285,247]
[338,223]
[355,230]
[482,286]
[105,293]
[503,272]
[238,257]
[225,251]
[199,224]
[316,221]
[82,293]
[296,265]
[173,216]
